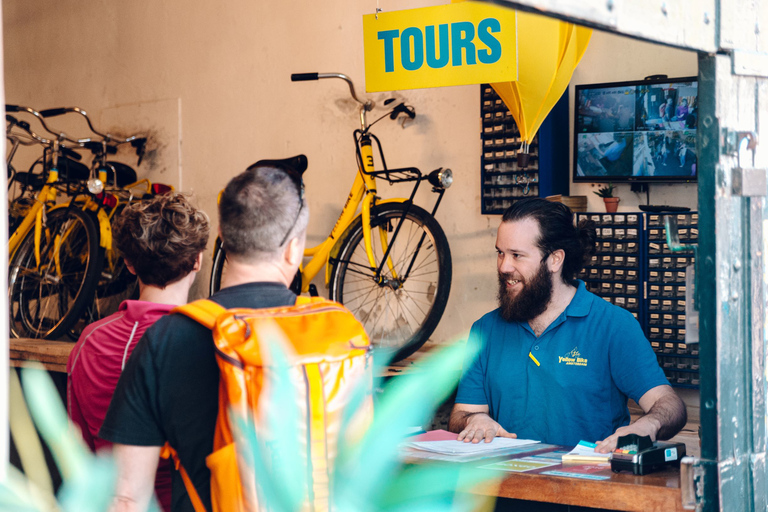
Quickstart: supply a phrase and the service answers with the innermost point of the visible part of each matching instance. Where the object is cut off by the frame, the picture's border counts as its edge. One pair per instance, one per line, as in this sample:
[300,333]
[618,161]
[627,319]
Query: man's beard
[530,301]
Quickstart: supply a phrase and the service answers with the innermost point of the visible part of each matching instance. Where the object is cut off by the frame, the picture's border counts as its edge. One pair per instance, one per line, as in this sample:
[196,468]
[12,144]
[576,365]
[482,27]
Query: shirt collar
[581,302]
[138,309]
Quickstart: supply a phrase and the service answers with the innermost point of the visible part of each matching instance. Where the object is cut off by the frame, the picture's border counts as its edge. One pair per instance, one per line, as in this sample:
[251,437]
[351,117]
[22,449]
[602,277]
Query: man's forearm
[458,420]
[670,413]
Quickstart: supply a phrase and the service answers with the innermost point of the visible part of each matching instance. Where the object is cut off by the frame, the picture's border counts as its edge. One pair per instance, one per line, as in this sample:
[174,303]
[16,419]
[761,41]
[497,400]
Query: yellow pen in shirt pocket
[534,359]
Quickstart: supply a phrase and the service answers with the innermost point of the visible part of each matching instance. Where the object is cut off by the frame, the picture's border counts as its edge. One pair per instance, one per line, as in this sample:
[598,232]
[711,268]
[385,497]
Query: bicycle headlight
[441,178]
[95,186]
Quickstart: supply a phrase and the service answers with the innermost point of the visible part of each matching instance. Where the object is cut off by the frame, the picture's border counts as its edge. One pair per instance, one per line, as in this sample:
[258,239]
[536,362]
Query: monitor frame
[617,178]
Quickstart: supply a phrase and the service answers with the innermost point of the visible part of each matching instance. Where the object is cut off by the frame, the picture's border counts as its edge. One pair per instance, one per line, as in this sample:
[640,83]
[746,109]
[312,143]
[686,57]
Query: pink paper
[435,435]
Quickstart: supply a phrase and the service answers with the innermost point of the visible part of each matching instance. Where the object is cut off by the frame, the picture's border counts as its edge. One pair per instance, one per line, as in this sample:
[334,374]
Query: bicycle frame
[363,191]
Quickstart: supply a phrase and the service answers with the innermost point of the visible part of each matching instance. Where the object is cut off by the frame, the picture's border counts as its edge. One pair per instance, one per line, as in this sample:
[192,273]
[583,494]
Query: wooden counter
[52,355]
[657,492]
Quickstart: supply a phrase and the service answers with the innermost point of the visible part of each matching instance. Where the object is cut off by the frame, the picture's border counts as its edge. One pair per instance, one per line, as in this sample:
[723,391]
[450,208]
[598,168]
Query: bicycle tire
[217,269]
[115,285]
[410,310]
[42,303]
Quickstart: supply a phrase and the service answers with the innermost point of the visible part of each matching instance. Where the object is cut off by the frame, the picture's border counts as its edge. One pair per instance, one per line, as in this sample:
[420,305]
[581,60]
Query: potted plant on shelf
[611,203]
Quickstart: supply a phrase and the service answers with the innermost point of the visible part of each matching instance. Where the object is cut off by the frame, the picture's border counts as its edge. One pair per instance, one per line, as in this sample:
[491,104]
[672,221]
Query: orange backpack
[331,358]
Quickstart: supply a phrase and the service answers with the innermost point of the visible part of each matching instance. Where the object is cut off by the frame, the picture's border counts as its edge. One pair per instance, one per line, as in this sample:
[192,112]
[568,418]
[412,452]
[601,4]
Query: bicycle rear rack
[403,175]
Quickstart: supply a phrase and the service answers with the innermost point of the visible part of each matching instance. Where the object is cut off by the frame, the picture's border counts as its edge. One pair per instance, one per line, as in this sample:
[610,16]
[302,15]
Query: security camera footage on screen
[636,132]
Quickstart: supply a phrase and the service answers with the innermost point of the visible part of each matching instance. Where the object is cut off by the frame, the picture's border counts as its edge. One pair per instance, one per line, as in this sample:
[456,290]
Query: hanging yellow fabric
[548,52]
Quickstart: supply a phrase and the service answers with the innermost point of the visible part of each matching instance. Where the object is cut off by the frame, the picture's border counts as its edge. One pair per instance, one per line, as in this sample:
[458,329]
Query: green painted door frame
[731,38]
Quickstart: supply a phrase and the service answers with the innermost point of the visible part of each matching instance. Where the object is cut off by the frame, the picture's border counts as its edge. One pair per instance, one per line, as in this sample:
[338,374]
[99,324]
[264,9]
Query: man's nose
[506,265]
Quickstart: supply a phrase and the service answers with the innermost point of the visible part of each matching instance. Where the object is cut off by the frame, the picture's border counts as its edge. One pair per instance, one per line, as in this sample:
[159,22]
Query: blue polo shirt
[591,358]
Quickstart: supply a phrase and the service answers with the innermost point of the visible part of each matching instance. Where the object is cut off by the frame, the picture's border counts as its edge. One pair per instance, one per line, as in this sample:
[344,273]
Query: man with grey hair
[168,391]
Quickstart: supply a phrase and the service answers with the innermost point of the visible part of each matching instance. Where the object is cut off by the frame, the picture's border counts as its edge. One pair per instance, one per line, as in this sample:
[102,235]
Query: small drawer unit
[614,272]
[502,182]
[634,268]
[666,289]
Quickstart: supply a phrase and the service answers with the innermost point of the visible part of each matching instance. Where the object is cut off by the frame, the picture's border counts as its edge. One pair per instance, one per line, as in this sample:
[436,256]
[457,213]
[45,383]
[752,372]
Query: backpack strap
[203,311]
[302,300]
[167,452]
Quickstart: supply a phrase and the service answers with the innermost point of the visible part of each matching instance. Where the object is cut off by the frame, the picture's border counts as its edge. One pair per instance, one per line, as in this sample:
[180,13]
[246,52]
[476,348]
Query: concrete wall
[210,82]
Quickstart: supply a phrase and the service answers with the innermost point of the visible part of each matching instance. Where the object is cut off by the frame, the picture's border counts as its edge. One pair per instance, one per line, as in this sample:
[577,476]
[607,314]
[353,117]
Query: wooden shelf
[52,355]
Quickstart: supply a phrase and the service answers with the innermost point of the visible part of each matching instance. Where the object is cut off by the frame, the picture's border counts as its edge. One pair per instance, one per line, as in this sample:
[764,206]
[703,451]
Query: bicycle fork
[366,155]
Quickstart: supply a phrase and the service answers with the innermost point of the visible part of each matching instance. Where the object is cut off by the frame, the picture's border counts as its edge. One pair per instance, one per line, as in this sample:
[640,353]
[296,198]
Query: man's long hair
[557,231]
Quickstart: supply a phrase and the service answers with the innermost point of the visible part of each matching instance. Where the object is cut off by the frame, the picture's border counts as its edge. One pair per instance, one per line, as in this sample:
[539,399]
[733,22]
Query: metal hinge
[745,181]
[692,482]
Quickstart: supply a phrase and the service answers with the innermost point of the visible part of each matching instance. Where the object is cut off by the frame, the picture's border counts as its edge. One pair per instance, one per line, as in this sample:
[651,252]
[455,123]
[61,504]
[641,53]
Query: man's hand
[665,415]
[473,423]
[481,426]
[649,427]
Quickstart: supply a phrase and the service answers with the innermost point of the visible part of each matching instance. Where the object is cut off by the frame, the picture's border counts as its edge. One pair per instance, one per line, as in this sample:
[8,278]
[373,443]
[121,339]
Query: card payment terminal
[641,456]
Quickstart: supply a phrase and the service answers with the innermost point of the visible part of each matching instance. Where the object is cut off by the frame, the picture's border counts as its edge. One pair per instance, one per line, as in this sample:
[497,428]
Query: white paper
[462,448]
[586,448]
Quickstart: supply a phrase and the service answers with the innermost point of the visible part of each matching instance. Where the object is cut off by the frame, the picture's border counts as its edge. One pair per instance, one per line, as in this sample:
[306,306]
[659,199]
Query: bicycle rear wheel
[402,309]
[46,299]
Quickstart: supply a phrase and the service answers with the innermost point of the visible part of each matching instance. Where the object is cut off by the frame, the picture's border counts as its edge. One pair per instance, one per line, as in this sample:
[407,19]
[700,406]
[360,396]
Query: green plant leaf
[407,400]
[51,420]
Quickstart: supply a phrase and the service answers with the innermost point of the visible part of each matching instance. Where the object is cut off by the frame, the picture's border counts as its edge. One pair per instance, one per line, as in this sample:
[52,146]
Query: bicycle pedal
[313,291]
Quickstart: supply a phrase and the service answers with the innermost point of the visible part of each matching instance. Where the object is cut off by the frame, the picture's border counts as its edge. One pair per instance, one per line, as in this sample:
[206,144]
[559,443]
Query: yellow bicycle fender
[38,235]
[337,246]
[105,230]
[57,254]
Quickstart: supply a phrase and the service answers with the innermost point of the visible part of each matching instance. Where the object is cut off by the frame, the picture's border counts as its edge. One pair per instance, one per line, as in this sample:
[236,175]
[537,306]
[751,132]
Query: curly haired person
[162,242]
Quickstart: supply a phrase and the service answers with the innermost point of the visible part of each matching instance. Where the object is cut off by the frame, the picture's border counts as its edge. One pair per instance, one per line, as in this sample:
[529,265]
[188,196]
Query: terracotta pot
[611,204]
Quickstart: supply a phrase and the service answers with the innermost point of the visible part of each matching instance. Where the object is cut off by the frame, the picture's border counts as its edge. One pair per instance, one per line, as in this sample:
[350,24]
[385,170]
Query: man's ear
[129,267]
[294,252]
[556,260]
[198,263]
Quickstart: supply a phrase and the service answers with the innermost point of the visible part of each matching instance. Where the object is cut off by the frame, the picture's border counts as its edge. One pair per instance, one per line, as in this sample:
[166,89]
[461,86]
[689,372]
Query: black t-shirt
[168,390]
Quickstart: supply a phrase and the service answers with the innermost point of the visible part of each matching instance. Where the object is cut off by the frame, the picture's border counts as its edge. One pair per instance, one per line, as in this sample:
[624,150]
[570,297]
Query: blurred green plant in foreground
[368,474]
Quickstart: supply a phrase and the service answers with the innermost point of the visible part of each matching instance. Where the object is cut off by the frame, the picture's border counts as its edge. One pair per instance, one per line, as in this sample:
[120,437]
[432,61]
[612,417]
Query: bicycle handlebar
[402,108]
[53,112]
[304,77]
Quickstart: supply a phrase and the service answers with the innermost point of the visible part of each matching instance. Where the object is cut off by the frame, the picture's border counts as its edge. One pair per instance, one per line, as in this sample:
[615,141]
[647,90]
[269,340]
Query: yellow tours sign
[455,44]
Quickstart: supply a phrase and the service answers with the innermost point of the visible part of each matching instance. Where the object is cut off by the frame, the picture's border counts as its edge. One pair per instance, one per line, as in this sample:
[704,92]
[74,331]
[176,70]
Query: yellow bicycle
[390,264]
[55,254]
[64,272]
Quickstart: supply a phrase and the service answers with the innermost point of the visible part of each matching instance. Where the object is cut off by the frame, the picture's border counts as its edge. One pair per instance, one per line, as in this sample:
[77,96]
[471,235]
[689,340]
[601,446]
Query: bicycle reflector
[441,178]
[108,200]
[160,189]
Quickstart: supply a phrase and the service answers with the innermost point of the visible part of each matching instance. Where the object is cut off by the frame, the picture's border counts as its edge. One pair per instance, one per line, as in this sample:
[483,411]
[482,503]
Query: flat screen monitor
[642,131]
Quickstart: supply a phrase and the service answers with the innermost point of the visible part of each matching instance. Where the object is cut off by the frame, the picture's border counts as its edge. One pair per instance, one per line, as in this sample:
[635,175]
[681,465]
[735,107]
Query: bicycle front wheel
[401,308]
[47,299]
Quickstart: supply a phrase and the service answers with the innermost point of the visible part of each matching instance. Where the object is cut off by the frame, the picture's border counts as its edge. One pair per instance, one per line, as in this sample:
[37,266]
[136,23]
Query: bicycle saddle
[296,163]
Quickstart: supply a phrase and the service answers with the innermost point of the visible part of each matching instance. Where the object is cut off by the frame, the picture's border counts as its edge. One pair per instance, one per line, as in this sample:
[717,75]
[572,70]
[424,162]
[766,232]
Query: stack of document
[460,451]
[585,452]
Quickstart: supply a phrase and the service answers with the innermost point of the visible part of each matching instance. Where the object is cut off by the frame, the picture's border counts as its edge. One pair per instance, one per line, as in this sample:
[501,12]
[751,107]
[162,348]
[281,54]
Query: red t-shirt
[95,365]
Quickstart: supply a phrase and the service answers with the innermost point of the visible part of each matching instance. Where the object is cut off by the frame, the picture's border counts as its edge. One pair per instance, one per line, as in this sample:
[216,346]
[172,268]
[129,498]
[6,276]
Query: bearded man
[557,363]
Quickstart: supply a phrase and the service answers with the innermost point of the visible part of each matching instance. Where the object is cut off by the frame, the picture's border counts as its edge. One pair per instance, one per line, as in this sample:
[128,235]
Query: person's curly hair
[161,238]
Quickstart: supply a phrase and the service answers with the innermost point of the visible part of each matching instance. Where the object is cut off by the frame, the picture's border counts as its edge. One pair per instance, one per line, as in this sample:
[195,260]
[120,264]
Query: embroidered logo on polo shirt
[573,358]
